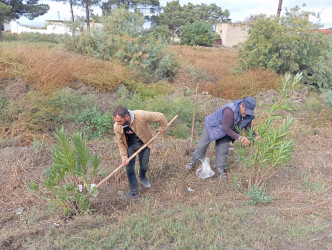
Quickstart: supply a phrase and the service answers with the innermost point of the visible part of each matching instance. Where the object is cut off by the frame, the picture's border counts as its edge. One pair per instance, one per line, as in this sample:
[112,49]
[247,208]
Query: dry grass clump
[218,67]
[234,86]
[19,165]
[49,69]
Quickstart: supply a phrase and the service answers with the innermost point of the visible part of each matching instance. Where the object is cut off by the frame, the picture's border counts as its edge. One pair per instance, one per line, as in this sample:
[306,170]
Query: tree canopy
[31,9]
[197,33]
[14,9]
[174,15]
[289,44]
[138,6]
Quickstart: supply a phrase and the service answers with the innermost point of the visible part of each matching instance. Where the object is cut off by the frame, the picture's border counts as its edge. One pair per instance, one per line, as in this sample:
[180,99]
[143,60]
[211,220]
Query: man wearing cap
[220,127]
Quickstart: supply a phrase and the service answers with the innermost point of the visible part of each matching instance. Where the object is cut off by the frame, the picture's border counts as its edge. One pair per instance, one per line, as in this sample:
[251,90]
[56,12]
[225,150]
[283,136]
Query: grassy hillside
[43,87]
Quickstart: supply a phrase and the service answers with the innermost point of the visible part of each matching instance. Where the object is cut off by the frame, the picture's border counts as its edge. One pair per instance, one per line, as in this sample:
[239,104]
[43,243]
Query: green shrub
[328,98]
[264,157]
[288,44]
[150,90]
[4,110]
[180,130]
[257,195]
[60,107]
[161,32]
[313,103]
[318,187]
[96,124]
[72,165]
[124,39]
[197,33]
[7,36]
[38,37]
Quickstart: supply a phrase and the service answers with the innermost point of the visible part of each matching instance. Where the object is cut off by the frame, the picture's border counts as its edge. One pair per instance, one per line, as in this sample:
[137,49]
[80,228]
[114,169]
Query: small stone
[120,193]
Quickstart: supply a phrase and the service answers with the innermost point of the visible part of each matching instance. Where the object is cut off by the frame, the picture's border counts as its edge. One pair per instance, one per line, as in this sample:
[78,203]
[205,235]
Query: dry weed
[220,63]
[49,69]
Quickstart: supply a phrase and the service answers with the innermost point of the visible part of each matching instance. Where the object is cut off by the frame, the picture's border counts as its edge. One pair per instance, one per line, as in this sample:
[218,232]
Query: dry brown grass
[49,69]
[302,190]
[218,66]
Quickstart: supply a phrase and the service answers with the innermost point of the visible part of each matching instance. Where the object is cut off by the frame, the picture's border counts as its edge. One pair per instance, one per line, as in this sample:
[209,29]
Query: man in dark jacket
[220,127]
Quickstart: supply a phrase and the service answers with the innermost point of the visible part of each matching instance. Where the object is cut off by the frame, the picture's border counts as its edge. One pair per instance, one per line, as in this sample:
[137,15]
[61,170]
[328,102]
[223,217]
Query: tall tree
[72,3]
[87,4]
[18,8]
[4,16]
[288,44]
[212,13]
[172,16]
[175,16]
[139,6]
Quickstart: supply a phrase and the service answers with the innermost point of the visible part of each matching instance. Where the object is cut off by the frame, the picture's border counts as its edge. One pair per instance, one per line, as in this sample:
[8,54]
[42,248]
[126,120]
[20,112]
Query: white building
[52,27]
[231,34]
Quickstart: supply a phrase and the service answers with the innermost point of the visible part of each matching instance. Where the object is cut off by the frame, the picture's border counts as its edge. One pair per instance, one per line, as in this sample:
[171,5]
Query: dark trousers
[143,157]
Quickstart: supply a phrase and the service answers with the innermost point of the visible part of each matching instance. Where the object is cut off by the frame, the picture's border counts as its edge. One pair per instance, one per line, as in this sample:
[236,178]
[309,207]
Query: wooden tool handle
[134,155]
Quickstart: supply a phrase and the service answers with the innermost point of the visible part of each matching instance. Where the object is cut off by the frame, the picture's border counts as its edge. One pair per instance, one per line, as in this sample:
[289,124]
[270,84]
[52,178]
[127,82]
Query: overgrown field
[43,87]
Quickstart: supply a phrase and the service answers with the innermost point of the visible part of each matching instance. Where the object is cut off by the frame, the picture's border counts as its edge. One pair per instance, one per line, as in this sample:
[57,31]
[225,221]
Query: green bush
[264,157]
[288,44]
[180,130]
[328,98]
[72,165]
[7,36]
[150,90]
[197,33]
[96,124]
[161,32]
[257,195]
[38,37]
[124,39]
[313,103]
[60,107]
[4,116]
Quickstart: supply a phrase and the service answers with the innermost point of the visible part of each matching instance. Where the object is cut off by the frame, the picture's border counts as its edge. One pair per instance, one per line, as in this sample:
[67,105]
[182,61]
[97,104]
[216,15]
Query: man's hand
[125,162]
[160,130]
[257,137]
[244,140]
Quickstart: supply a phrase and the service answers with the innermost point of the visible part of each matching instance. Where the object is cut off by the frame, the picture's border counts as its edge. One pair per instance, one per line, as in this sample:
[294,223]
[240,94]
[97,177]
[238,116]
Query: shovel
[134,155]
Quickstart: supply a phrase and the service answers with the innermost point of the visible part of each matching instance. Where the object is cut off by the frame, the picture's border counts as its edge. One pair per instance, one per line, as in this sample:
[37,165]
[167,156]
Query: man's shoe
[190,165]
[144,182]
[128,196]
[222,173]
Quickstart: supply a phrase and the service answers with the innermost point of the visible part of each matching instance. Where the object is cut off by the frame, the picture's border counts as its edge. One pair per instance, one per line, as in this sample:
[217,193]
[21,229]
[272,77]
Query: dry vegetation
[215,70]
[214,215]
[48,69]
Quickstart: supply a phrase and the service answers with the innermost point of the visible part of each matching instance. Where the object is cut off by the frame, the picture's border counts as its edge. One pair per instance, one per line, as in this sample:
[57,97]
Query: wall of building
[232,34]
[6,27]
[52,27]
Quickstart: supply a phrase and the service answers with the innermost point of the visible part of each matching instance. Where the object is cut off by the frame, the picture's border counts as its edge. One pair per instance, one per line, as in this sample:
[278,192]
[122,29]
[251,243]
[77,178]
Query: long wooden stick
[193,121]
[134,155]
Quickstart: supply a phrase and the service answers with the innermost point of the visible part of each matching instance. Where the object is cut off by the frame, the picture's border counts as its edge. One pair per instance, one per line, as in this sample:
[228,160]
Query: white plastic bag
[204,171]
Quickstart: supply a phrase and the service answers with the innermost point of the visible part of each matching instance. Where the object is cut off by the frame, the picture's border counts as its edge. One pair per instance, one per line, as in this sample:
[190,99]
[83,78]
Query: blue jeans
[143,157]
[222,148]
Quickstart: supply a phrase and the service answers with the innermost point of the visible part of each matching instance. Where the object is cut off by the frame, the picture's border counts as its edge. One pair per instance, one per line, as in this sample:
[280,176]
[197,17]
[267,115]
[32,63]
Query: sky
[239,9]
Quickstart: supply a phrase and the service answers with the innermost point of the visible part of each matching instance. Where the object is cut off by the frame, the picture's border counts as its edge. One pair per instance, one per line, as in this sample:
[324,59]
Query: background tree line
[283,44]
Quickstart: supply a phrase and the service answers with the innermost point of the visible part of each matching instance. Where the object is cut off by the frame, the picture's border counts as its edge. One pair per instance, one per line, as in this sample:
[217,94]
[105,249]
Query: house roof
[326,31]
